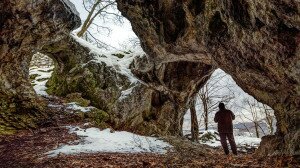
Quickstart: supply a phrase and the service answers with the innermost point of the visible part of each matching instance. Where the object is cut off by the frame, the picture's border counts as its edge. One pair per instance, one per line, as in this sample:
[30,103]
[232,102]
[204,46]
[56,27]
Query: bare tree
[105,10]
[269,117]
[133,43]
[216,90]
[252,106]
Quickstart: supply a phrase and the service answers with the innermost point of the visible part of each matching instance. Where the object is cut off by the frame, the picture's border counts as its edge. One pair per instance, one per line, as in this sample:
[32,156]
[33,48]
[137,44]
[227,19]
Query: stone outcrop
[153,105]
[25,27]
[256,42]
[169,87]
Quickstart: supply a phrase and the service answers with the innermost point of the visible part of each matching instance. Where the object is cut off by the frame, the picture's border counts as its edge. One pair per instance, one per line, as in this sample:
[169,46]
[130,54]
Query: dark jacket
[224,119]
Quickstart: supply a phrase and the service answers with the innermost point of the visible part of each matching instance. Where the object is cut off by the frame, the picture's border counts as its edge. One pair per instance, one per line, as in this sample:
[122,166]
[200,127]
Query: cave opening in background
[253,118]
[40,70]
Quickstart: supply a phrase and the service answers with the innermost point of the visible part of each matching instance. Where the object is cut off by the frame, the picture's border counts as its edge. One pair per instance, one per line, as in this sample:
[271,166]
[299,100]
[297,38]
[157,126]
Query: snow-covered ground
[42,76]
[242,140]
[74,106]
[95,140]
[239,140]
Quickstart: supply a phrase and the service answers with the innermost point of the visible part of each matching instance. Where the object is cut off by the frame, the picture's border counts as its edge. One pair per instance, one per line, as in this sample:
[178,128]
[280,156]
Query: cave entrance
[253,118]
[40,70]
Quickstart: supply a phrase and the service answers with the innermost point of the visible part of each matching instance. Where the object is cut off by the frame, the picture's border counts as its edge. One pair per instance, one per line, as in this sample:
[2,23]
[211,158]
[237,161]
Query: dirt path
[28,148]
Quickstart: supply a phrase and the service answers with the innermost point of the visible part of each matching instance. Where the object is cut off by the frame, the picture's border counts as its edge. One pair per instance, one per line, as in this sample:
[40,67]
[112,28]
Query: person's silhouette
[224,119]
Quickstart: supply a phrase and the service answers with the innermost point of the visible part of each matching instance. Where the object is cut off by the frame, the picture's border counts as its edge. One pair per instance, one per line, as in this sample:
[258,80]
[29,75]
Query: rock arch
[26,26]
[256,42]
[157,101]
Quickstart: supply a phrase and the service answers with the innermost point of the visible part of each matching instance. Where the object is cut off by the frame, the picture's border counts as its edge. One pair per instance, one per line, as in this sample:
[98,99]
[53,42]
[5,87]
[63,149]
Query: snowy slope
[94,140]
[121,65]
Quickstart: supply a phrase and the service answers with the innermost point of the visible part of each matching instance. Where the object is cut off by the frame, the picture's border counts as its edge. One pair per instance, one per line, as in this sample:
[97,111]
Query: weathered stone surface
[163,99]
[77,72]
[26,26]
[257,42]
[155,106]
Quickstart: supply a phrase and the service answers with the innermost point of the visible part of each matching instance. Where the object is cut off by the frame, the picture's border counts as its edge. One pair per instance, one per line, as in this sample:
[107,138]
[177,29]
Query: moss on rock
[77,97]
[14,116]
[98,117]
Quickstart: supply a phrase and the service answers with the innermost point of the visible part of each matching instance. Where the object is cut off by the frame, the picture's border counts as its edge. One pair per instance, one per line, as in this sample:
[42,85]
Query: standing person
[224,119]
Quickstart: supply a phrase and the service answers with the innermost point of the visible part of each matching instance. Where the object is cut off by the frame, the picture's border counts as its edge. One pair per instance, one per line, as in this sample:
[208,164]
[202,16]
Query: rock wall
[26,26]
[256,42]
[158,101]
[155,104]
[172,86]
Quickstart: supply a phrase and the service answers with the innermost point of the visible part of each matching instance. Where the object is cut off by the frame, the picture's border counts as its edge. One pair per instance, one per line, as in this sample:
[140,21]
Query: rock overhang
[256,42]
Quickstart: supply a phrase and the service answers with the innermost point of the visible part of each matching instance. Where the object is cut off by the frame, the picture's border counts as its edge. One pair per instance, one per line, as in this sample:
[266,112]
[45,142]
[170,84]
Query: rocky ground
[28,148]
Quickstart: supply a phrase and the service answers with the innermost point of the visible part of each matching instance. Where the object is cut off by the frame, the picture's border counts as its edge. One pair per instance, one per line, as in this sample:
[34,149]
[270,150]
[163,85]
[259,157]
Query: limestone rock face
[26,26]
[76,70]
[171,87]
[153,105]
[256,42]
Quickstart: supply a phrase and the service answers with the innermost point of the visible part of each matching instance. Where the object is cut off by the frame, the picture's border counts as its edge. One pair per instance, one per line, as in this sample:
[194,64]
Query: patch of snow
[243,140]
[95,140]
[125,93]
[40,88]
[55,105]
[74,106]
[43,74]
[35,69]
[121,65]
[212,143]
[86,124]
[239,140]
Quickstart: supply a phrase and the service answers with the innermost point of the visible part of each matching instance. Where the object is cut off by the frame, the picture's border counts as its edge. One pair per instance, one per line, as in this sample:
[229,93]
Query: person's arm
[216,117]
[232,115]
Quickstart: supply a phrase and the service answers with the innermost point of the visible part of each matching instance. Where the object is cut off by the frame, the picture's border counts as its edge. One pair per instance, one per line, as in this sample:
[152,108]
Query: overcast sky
[120,34]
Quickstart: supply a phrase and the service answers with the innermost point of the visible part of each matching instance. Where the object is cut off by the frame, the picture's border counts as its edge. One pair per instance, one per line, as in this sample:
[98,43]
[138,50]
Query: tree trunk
[88,20]
[256,129]
[205,109]
[271,128]
[194,122]
[269,119]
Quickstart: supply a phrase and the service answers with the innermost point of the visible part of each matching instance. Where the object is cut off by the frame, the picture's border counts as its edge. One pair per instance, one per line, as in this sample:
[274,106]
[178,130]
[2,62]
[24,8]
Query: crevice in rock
[218,29]
[258,23]
[287,37]
[239,11]
[196,6]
